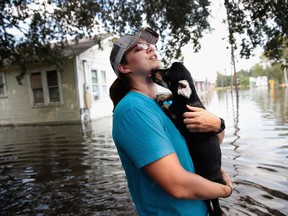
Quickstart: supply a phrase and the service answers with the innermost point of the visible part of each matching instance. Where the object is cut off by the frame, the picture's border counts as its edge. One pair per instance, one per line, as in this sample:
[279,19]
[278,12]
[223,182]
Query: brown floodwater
[63,170]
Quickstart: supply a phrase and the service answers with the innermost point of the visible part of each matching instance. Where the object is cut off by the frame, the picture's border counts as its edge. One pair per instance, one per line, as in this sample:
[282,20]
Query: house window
[2,85]
[104,86]
[45,87]
[99,85]
[53,86]
[95,85]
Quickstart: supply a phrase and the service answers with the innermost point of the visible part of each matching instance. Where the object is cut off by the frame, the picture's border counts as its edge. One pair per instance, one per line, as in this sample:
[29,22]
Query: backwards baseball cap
[125,42]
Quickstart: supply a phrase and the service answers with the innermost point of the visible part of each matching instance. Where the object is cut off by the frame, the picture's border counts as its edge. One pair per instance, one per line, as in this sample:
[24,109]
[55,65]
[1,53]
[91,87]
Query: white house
[77,94]
[258,81]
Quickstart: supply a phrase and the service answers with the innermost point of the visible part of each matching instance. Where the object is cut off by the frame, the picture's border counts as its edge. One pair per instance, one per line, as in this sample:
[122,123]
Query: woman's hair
[120,87]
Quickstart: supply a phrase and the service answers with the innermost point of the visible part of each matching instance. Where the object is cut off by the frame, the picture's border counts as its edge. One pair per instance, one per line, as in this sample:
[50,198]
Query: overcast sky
[213,55]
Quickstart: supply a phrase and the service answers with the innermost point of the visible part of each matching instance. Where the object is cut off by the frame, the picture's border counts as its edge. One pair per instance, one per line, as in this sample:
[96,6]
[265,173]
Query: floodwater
[61,170]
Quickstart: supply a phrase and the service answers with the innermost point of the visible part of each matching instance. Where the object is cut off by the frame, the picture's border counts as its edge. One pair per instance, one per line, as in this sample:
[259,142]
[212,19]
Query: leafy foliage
[273,72]
[179,22]
[27,27]
[263,23]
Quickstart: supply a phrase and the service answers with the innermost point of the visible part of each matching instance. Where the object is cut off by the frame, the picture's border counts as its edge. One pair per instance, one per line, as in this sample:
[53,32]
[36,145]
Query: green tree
[258,70]
[243,77]
[223,80]
[263,23]
[243,73]
[220,82]
[279,66]
[37,23]
[244,81]
[276,73]
[28,26]
[273,71]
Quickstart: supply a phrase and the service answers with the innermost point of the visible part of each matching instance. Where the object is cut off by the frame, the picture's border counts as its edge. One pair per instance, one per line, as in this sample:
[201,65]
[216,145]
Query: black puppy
[204,148]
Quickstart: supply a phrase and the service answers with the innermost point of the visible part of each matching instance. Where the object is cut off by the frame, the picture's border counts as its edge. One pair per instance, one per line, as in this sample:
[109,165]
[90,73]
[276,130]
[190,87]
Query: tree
[258,70]
[263,23]
[243,76]
[275,68]
[273,71]
[27,27]
[276,73]
[243,73]
[244,81]
[223,80]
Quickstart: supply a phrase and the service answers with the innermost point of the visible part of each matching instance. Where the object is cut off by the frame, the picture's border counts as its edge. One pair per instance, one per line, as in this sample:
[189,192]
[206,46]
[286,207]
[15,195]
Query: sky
[214,55]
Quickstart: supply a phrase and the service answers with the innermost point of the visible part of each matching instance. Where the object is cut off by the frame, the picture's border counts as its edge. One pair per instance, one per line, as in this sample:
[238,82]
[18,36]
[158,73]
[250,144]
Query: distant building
[258,81]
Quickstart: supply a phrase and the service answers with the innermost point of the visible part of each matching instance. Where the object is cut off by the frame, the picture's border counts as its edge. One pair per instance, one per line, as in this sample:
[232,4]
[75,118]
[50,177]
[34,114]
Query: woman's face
[141,61]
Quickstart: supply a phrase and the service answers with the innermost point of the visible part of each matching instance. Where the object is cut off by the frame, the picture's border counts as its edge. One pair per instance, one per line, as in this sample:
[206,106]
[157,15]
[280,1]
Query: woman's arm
[168,173]
[201,120]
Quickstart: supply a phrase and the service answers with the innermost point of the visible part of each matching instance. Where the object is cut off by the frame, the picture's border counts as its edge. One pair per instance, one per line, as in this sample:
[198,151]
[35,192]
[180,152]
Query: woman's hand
[200,120]
[228,181]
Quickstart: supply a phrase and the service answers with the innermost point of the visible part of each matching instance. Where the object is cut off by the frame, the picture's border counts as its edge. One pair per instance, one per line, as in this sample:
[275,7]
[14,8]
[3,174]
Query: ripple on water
[59,170]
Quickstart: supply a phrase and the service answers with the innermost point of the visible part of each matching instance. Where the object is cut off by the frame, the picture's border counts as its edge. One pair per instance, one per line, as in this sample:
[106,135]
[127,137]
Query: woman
[153,153]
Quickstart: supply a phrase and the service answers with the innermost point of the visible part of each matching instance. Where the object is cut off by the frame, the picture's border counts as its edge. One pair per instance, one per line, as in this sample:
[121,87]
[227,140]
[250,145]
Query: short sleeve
[141,135]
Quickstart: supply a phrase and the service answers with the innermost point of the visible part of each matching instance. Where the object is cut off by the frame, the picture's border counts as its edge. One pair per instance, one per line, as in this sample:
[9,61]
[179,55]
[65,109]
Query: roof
[76,47]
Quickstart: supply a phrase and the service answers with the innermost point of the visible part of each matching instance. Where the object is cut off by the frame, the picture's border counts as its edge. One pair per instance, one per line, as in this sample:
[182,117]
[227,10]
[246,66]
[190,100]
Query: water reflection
[259,153]
[39,168]
[59,170]
[55,171]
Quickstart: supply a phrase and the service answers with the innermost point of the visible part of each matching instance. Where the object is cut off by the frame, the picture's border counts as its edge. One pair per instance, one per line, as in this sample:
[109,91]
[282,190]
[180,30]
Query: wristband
[231,191]
[222,126]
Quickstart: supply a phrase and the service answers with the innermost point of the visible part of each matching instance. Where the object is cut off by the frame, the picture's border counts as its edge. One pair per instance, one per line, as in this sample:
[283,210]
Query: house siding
[98,59]
[17,107]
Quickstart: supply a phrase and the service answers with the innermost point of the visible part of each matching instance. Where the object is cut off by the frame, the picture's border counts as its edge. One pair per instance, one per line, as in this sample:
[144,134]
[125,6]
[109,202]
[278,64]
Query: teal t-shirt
[142,134]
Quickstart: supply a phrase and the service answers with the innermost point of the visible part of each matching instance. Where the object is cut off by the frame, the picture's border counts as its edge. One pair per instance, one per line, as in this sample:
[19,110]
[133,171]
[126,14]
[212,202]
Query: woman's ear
[123,68]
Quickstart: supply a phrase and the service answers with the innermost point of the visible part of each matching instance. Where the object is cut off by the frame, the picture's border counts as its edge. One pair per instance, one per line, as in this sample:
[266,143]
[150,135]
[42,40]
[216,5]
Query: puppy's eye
[182,85]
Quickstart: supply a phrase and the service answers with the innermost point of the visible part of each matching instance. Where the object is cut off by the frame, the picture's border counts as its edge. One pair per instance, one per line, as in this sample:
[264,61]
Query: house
[258,81]
[77,94]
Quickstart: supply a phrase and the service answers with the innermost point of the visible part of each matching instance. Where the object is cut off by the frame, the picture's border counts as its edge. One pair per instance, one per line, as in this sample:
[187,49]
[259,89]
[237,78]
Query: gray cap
[125,42]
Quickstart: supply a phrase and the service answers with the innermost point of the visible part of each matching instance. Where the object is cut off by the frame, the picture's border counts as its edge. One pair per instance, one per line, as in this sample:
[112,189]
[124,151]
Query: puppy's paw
[161,98]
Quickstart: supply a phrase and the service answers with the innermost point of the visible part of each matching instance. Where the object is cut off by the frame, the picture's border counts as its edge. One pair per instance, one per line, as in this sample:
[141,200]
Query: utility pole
[234,69]
[285,72]
[232,42]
